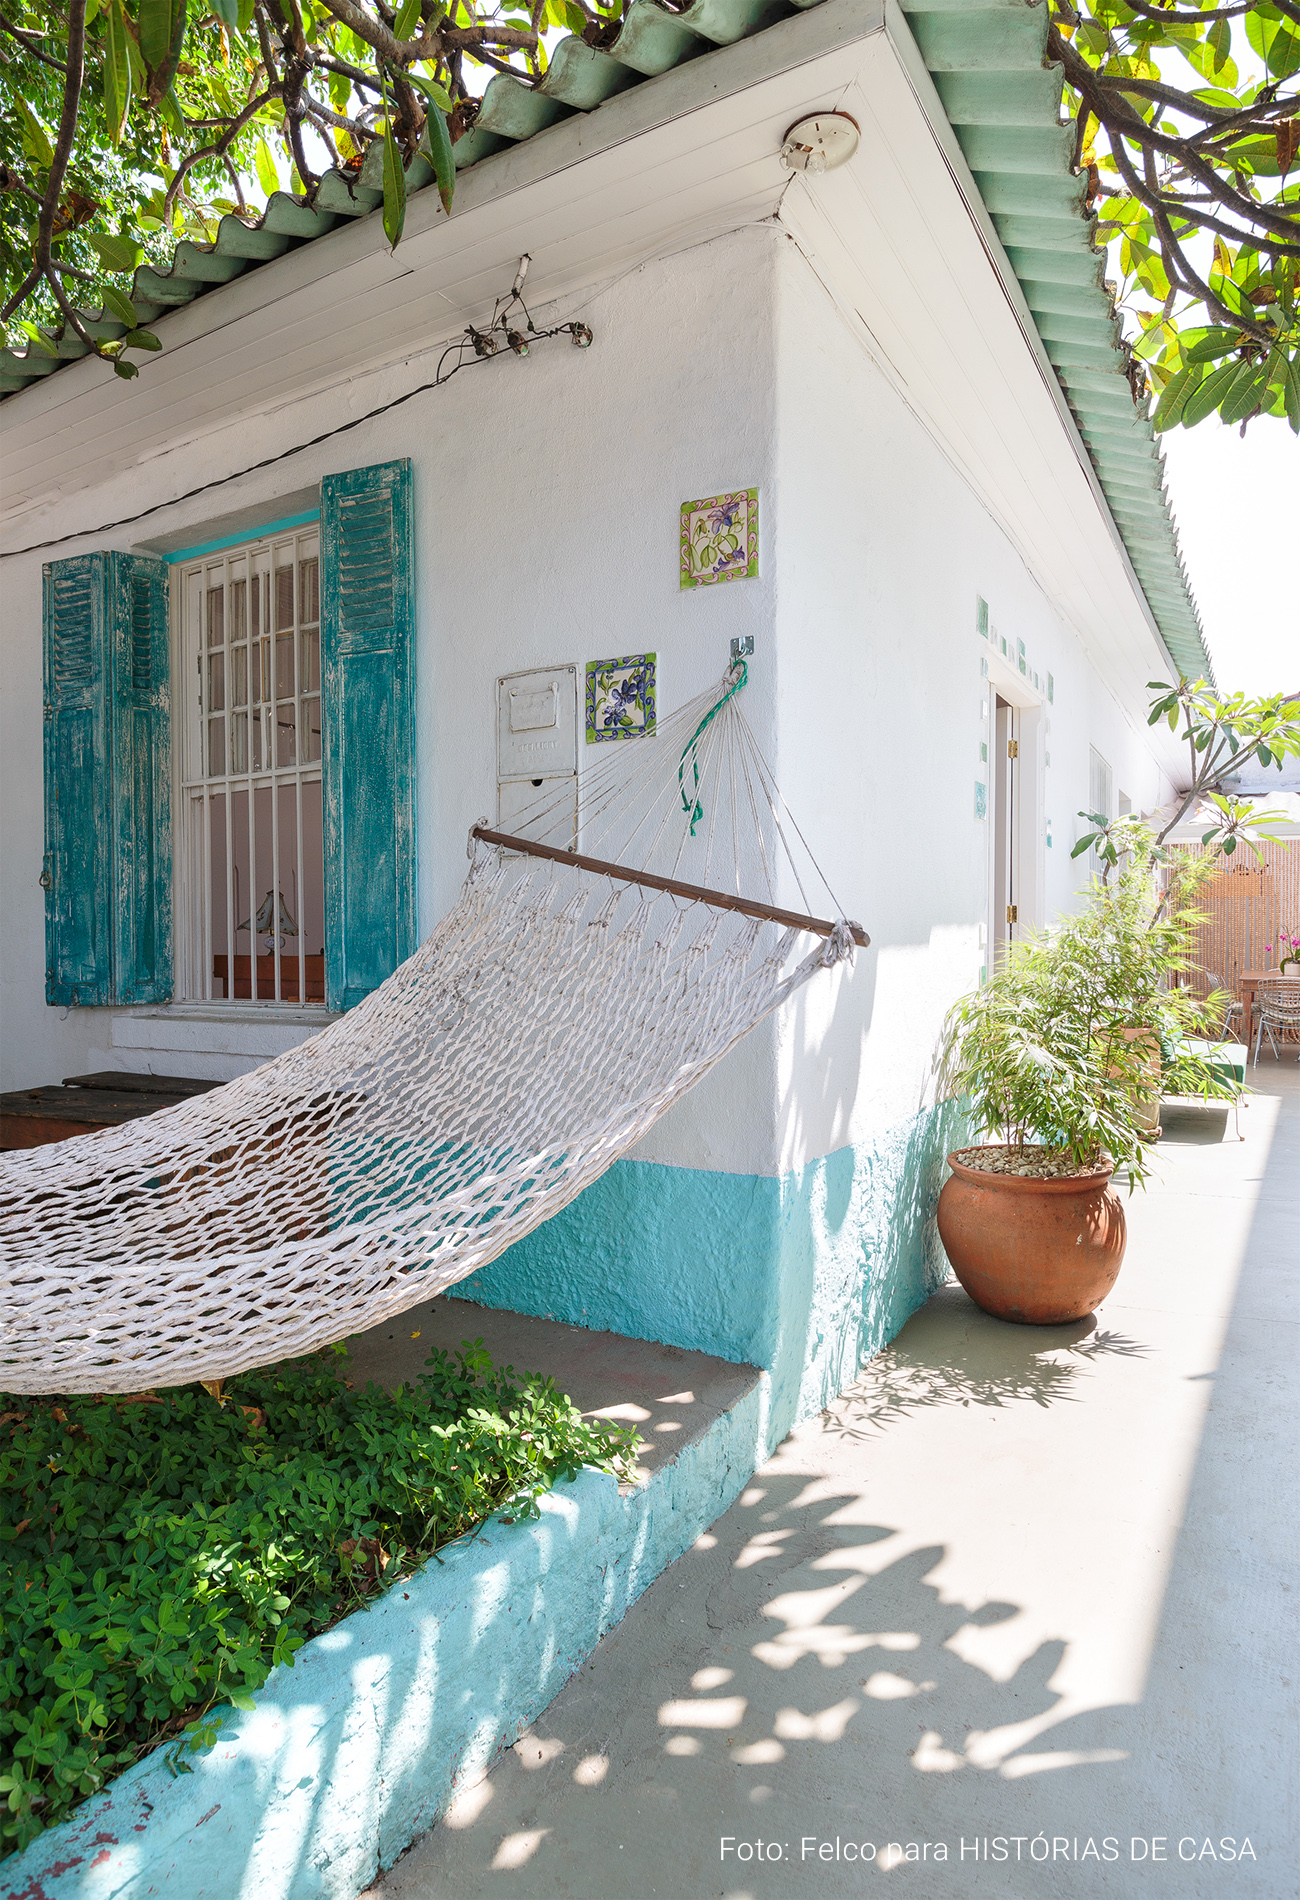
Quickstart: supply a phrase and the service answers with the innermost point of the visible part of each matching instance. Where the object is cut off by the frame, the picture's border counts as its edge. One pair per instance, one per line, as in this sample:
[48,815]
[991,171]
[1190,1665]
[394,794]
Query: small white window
[1101,797]
[250,855]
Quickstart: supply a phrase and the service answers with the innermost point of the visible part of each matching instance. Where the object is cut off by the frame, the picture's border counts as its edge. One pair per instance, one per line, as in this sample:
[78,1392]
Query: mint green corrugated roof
[988,60]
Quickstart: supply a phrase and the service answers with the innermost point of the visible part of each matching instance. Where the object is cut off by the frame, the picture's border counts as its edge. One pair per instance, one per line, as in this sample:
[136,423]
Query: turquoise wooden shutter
[368,727]
[107,872]
[78,837]
[140,730]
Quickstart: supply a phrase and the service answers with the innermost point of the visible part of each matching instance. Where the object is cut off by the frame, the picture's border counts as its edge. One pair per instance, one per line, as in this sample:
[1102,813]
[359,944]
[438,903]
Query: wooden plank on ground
[119,1079]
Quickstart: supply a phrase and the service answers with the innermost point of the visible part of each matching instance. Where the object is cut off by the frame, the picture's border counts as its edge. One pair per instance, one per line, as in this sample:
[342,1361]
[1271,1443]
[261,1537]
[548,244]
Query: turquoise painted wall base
[806,1274]
[363,1743]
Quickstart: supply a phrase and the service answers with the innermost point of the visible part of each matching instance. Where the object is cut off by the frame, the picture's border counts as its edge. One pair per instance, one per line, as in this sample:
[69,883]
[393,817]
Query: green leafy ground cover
[160,1555]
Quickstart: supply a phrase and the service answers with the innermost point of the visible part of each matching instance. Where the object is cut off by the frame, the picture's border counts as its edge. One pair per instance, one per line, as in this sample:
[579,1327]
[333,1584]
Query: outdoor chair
[1278,1008]
[1232,1012]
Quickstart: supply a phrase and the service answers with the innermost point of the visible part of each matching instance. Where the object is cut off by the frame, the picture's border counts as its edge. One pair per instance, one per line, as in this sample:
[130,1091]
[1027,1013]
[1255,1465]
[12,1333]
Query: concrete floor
[670,1396]
[1017,1582]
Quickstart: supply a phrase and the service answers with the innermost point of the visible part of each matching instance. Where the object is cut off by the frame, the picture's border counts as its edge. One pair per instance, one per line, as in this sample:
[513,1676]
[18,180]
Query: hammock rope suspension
[589,974]
[738,677]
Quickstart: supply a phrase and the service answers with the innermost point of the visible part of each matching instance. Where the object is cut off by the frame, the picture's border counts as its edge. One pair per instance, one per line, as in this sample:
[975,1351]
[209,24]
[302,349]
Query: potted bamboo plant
[1063,1055]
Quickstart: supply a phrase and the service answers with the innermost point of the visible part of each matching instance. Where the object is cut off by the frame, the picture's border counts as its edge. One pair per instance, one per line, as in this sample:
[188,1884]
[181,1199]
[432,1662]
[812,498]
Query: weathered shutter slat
[141,753]
[78,848]
[107,869]
[368,727]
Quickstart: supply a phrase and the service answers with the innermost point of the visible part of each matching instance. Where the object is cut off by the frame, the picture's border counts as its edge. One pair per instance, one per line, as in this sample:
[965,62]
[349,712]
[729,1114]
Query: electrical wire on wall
[511,330]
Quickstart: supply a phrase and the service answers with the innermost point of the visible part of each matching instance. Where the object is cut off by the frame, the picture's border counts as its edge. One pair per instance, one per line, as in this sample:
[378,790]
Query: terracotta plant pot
[1037,1252]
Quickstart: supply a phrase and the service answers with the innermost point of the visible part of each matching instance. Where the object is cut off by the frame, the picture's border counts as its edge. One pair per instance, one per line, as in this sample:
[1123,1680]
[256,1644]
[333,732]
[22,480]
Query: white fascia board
[911,270]
[693,148]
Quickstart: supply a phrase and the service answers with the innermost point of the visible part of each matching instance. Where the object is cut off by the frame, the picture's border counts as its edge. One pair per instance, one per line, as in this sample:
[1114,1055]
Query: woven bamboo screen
[1245,906]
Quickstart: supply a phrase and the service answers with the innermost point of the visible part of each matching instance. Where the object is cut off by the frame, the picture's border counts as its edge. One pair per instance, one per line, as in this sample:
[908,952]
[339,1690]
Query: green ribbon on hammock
[691,800]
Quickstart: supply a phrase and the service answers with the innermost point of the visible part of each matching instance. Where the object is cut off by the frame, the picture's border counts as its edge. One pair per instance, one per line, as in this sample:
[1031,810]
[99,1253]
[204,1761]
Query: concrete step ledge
[363,1743]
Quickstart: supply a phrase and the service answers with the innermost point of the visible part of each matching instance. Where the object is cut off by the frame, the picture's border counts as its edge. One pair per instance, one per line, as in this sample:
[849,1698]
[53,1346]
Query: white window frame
[259,559]
[1101,798]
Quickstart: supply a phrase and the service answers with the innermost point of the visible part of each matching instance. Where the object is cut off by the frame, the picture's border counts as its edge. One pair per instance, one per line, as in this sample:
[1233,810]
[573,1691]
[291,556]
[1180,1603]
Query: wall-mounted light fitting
[820,143]
[517,341]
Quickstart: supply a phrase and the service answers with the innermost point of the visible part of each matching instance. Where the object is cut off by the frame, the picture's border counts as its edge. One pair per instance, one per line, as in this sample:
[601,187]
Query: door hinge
[1013,914]
[1013,748]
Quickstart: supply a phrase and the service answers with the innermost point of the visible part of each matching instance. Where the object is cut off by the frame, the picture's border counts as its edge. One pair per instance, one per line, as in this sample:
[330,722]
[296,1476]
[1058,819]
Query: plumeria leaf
[115,253]
[444,164]
[117,71]
[394,176]
[267,175]
[116,305]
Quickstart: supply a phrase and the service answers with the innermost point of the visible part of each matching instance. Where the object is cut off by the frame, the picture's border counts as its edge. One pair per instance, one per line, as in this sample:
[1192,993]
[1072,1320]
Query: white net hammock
[533,1038]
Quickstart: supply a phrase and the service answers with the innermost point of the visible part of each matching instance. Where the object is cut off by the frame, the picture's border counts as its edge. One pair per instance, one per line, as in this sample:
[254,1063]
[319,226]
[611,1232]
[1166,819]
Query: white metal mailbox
[537,724]
[537,752]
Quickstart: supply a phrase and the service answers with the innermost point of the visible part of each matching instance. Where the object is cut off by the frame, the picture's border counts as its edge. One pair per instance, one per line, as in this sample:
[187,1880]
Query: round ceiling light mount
[820,142]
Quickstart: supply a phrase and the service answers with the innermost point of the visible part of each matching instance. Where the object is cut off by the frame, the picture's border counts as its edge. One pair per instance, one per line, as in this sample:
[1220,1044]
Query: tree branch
[325,116]
[28,42]
[238,183]
[23,291]
[294,116]
[71,316]
[1168,17]
[1251,119]
[471,36]
[10,181]
[1121,122]
[409,119]
[75,69]
[501,66]
[1184,102]
[1154,199]
[1177,266]
[378,36]
[332,64]
[219,149]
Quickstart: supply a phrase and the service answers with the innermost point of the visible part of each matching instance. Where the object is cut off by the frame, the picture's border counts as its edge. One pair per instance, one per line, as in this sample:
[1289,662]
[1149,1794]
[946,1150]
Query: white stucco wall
[882,548]
[547,497]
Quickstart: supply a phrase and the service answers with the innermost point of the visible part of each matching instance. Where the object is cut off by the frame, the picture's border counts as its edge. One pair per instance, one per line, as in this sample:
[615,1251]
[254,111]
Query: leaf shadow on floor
[787,1637]
[964,1357]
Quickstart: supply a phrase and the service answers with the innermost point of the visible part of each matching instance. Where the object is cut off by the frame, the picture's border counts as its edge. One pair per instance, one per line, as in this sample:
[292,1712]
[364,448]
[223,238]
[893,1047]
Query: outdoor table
[1250,981]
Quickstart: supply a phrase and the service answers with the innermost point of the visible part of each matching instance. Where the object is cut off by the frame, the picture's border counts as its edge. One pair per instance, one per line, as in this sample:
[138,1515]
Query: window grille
[250,863]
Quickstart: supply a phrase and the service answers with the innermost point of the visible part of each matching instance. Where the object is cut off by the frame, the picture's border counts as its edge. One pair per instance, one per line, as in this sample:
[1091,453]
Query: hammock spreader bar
[697,893]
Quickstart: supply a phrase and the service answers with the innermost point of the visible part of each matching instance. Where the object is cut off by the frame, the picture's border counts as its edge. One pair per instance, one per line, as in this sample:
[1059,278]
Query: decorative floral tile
[720,539]
[620,698]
